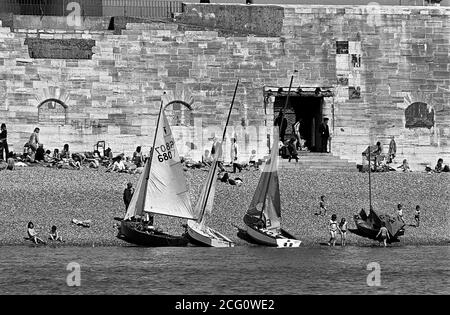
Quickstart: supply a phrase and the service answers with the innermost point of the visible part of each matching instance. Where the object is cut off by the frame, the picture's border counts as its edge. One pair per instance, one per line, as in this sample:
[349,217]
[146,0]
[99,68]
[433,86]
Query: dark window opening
[419,115]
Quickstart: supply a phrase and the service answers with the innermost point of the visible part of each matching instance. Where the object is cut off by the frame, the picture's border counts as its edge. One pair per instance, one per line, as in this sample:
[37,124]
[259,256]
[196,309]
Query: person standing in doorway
[281,122]
[325,134]
[296,130]
[4,153]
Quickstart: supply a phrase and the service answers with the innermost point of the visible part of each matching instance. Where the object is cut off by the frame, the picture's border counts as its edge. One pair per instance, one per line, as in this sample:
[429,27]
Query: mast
[147,175]
[370,185]
[289,92]
[221,145]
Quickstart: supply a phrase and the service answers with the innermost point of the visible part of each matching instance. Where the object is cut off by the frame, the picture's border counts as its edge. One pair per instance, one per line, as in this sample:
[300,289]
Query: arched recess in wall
[419,115]
[52,111]
[179,113]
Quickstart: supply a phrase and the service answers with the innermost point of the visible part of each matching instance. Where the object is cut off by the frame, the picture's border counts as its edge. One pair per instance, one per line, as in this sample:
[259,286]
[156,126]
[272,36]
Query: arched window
[419,115]
[179,113]
[52,111]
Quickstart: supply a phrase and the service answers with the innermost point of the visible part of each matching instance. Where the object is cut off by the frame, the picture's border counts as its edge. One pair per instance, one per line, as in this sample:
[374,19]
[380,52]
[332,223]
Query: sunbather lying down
[85,223]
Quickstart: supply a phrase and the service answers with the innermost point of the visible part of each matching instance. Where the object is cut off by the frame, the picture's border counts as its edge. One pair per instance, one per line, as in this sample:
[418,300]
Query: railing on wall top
[128,8]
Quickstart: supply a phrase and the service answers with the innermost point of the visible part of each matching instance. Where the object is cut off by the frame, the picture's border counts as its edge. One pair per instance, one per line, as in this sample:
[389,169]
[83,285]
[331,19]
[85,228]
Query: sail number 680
[164,151]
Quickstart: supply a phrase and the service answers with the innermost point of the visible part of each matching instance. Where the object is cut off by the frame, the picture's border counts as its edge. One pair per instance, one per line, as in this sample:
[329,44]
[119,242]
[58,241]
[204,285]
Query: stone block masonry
[379,63]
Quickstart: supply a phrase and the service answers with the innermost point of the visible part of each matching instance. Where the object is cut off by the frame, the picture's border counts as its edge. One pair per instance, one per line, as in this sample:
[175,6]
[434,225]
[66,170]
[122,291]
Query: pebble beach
[48,196]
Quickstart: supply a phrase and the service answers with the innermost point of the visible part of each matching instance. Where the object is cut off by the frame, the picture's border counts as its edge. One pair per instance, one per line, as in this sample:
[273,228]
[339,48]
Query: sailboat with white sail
[161,189]
[197,231]
[263,218]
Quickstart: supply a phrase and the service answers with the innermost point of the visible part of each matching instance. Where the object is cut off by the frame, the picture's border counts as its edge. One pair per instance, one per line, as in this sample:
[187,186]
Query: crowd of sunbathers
[380,162]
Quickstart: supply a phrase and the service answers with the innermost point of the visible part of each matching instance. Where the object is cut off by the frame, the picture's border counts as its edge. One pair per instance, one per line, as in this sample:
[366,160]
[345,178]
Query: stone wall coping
[342,8]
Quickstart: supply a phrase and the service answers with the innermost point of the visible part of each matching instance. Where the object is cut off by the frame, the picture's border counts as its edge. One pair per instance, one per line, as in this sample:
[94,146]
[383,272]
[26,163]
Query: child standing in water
[33,235]
[333,230]
[417,215]
[343,228]
[384,234]
[54,236]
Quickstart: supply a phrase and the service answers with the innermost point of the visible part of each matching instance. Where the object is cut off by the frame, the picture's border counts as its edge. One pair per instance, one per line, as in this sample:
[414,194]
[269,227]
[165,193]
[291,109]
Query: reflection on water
[239,270]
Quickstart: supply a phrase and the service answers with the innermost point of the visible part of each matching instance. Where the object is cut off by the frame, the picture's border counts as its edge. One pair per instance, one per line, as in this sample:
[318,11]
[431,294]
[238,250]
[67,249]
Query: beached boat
[263,218]
[161,189]
[197,231]
[369,225]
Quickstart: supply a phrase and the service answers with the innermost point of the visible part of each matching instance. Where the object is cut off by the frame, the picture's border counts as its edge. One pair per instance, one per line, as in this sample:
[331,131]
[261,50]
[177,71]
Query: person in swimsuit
[54,235]
[32,235]
[343,228]
[400,212]
[333,230]
[322,206]
[417,215]
[384,233]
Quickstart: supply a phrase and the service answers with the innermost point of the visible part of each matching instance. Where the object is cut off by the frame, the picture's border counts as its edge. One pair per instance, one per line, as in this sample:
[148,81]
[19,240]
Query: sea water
[239,270]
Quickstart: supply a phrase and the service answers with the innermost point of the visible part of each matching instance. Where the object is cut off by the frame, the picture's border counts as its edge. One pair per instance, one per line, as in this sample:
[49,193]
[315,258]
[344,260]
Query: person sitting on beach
[118,165]
[343,228]
[138,158]
[54,235]
[56,155]
[48,157]
[333,227]
[322,206]
[440,167]
[32,234]
[400,212]
[11,162]
[405,166]
[375,154]
[417,215]
[65,153]
[384,233]
[40,152]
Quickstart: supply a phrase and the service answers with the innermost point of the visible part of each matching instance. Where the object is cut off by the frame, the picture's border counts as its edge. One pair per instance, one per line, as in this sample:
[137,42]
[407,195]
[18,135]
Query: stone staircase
[318,161]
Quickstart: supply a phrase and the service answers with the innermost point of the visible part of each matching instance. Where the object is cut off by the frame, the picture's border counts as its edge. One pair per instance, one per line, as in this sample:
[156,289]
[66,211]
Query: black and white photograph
[224,154]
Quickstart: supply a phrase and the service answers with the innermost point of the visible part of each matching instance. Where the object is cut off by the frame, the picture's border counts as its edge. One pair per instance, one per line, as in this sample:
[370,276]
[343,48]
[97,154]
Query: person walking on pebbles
[322,206]
[383,233]
[417,215]
[128,194]
[343,228]
[333,230]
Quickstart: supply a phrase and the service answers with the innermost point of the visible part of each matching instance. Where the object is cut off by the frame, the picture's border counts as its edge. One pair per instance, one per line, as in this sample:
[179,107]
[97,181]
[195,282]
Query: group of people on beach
[335,227]
[380,162]
[33,235]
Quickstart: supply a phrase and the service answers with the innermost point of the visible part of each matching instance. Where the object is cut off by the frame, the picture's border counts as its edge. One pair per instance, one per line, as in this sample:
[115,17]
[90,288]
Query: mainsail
[167,192]
[266,200]
[205,203]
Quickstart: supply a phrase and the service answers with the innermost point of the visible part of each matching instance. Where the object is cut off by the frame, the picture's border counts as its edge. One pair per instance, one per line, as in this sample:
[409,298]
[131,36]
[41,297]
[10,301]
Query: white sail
[267,194]
[167,192]
[205,203]
[136,207]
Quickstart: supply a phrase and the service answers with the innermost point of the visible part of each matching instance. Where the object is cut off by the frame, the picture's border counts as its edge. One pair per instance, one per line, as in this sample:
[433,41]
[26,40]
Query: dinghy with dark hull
[368,226]
[161,189]
[135,233]
[263,218]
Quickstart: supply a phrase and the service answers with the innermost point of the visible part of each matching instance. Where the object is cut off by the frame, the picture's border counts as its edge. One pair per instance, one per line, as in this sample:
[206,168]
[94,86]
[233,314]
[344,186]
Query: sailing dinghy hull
[266,237]
[206,237]
[129,232]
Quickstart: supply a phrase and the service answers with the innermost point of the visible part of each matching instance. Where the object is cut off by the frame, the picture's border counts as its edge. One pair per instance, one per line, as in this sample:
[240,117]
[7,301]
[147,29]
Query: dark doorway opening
[307,109]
